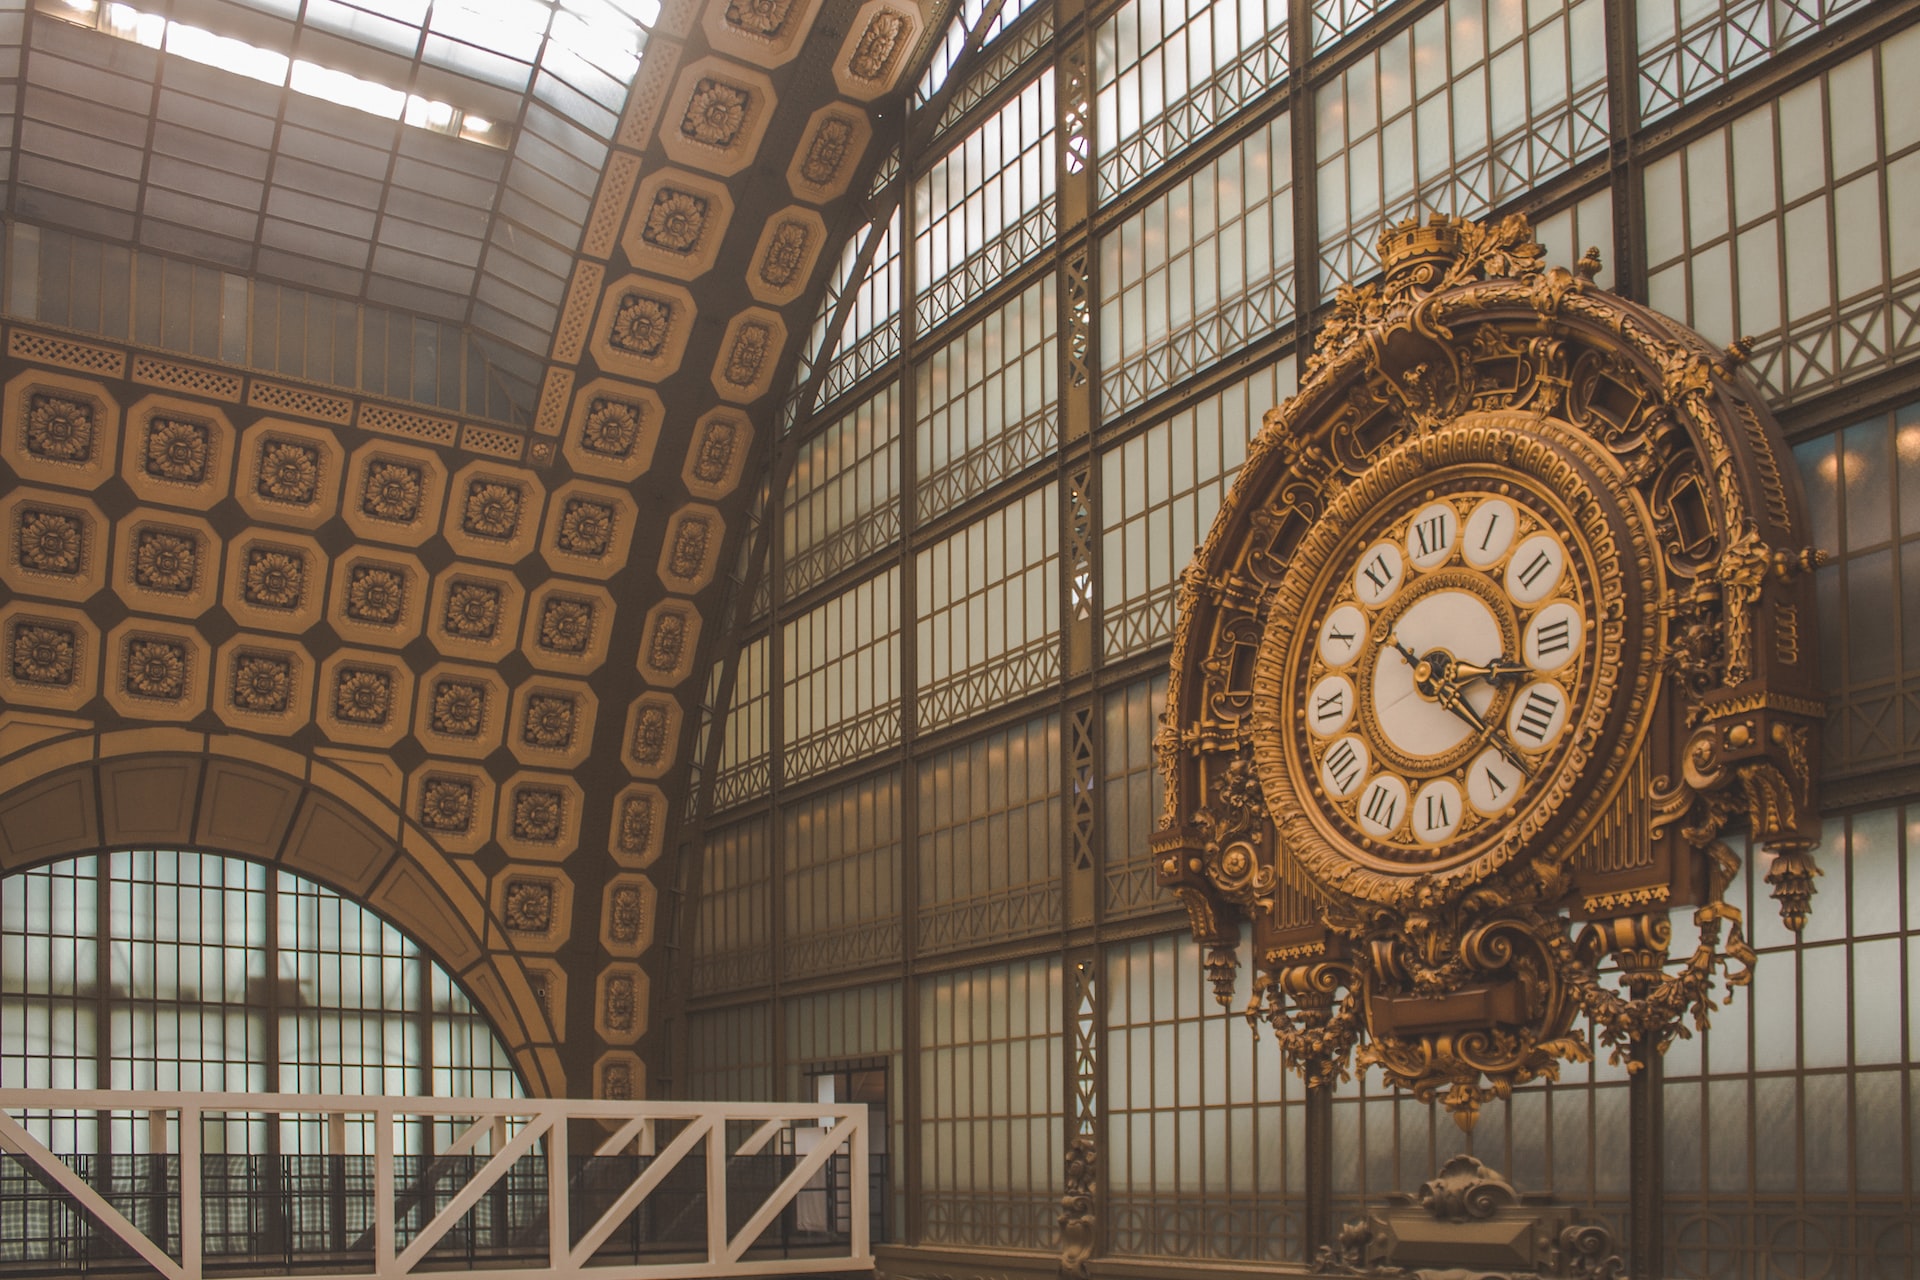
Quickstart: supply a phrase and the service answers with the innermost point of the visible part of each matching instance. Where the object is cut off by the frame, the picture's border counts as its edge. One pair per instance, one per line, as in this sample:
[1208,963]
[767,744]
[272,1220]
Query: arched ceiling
[488,645]
[436,157]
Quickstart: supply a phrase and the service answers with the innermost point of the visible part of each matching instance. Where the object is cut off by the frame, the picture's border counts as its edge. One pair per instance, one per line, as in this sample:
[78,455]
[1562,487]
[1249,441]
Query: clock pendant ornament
[1506,622]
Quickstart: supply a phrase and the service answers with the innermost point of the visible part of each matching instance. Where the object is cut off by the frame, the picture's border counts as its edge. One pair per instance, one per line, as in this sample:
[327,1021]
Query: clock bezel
[1453,573]
[1555,468]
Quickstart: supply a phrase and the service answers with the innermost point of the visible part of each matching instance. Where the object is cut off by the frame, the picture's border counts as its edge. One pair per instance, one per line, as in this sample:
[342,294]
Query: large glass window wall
[1125,225]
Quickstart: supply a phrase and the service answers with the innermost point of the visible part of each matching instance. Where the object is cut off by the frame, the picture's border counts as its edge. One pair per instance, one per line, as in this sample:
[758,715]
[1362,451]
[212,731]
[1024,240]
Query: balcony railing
[387,1187]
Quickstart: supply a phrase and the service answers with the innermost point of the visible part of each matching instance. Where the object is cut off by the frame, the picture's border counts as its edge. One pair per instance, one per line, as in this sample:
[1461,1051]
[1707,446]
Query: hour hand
[1494,670]
[1450,697]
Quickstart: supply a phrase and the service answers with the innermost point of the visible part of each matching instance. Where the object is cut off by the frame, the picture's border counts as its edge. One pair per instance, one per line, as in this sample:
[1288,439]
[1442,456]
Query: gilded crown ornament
[1505,624]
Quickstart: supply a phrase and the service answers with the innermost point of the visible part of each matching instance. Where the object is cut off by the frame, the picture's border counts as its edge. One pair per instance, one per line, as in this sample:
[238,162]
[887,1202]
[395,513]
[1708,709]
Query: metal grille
[1134,794]
[989,847]
[989,610]
[1790,1123]
[842,678]
[842,500]
[1203,1124]
[985,402]
[841,851]
[166,969]
[1863,487]
[992,1091]
[1744,228]
[1198,273]
[1461,111]
[744,755]
[1160,491]
[1688,48]
[730,940]
[1168,74]
[986,206]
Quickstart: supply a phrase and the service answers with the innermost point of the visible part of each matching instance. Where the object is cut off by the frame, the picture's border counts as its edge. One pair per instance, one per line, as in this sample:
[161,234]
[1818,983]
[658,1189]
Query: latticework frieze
[1210,104]
[850,740]
[872,532]
[982,688]
[1170,1224]
[1022,445]
[1232,325]
[854,947]
[990,1219]
[1013,914]
[985,267]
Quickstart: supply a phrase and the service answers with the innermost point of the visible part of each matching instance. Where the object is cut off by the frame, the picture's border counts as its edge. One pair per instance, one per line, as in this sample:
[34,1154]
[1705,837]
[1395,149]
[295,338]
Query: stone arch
[229,794]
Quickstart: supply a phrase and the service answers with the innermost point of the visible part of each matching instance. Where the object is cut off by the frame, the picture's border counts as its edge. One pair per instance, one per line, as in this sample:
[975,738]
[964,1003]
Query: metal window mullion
[103,990]
[907,674]
[774,565]
[1623,164]
[1909,1175]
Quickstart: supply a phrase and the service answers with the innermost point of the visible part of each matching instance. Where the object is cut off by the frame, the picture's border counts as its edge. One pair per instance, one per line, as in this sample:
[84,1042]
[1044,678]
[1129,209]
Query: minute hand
[1448,695]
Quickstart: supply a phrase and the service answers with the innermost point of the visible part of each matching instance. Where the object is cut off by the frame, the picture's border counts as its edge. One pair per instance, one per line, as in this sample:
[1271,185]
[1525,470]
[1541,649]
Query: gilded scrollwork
[1474,358]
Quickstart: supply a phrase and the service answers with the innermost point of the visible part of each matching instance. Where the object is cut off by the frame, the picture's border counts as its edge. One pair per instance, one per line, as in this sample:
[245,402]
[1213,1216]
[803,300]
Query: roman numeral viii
[1537,714]
[1343,765]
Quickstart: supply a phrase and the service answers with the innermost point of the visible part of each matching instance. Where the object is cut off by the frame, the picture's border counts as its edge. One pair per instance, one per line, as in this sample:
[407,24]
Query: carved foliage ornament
[612,427]
[1494,637]
[42,653]
[59,429]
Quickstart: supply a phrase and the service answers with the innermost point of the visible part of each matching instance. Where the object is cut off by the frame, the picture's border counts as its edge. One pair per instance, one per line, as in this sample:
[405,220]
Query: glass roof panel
[382,149]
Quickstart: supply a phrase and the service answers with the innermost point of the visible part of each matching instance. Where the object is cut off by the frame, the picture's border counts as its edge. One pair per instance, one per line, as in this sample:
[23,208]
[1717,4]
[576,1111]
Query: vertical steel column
[1317,1226]
[1623,122]
[912,1221]
[1646,1164]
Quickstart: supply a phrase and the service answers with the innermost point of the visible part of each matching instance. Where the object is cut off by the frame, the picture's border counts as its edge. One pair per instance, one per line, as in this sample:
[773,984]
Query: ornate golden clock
[1501,625]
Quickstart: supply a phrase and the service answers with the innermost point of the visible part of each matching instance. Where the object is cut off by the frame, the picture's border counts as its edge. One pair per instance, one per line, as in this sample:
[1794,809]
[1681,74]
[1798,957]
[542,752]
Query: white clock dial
[1437,811]
[1489,532]
[1539,714]
[1553,637]
[1432,534]
[1382,806]
[1535,569]
[1342,636]
[1344,767]
[1379,574]
[1330,706]
[1458,622]
[1492,782]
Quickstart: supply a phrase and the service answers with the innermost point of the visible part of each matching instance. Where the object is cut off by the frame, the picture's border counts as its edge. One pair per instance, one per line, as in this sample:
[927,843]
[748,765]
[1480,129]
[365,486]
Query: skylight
[504,38]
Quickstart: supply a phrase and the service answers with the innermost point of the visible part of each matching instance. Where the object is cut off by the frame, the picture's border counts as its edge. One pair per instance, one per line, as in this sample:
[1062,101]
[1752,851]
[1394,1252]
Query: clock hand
[1447,694]
[1441,681]
[1495,670]
[1413,659]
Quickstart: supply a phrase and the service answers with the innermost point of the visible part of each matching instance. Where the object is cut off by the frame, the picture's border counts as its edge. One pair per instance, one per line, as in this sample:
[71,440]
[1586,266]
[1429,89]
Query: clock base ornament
[1469,1223]
[1506,622]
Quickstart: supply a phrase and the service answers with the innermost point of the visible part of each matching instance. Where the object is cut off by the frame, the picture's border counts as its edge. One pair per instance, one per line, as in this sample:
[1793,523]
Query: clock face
[1445,661]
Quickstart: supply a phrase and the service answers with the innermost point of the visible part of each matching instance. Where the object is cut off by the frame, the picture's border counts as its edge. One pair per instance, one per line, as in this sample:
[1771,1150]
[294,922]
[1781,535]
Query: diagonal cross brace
[469,1195]
[617,1212]
[790,1186]
[92,1201]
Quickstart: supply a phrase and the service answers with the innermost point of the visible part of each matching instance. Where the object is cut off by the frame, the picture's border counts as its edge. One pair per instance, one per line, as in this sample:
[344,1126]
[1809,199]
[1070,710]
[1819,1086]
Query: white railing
[505,1130]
